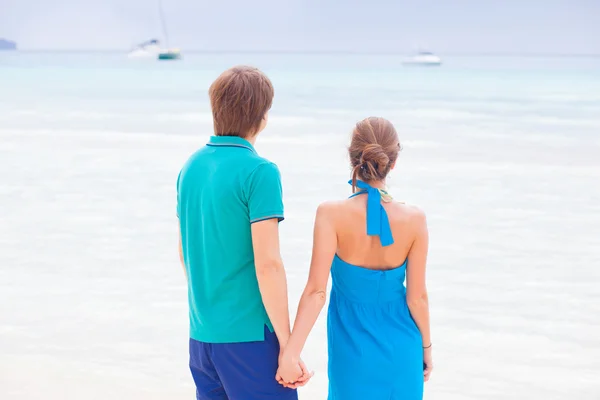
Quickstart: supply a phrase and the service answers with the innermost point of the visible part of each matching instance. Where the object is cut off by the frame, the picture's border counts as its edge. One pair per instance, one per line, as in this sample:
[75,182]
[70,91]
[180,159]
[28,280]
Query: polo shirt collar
[230,141]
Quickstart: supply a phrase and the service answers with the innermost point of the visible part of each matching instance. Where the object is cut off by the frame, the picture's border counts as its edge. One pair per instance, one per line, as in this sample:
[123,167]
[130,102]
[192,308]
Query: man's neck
[252,139]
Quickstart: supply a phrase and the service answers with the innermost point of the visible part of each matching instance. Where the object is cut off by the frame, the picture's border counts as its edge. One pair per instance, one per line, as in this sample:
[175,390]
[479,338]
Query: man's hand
[292,371]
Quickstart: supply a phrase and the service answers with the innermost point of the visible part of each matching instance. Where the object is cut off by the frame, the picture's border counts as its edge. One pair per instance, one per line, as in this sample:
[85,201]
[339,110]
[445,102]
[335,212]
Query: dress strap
[378,223]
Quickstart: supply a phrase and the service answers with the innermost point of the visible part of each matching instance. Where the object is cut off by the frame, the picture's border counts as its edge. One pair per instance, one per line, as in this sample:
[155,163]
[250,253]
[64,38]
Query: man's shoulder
[255,165]
[196,157]
[257,160]
[264,164]
[243,157]
[244,169]
[262,169]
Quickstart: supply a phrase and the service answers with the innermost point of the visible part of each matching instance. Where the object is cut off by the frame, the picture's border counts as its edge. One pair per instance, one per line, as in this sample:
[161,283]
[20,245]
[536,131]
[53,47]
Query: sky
[445,26]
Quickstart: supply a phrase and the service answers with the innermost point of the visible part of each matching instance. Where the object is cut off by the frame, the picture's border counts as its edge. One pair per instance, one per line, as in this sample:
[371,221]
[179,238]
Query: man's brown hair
[240,97]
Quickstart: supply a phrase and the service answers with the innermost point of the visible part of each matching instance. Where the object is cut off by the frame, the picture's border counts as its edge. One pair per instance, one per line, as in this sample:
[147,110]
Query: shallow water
[501,153]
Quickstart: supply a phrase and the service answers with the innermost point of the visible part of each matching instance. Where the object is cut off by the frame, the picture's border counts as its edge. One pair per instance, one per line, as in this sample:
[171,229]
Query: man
[229,204]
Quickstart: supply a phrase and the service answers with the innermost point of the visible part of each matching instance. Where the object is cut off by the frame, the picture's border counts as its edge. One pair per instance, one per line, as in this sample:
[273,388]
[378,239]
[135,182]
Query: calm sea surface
[502,153]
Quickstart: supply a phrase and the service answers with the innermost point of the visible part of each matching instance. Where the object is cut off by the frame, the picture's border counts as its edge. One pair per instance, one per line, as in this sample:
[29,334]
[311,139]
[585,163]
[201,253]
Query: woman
[377,329]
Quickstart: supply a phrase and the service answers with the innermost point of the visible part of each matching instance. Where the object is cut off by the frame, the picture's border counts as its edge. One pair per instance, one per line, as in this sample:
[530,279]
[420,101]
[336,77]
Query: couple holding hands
[229,205]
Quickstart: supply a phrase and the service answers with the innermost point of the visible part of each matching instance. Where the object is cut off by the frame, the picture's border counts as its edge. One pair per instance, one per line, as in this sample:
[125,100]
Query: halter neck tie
[378,223]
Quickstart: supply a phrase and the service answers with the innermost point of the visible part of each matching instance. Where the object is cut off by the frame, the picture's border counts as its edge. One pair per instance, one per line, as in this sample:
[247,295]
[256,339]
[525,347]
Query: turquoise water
[502,153]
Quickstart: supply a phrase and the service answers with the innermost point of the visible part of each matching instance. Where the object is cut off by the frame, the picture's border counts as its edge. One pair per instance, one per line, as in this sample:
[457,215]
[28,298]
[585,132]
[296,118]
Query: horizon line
[315,52]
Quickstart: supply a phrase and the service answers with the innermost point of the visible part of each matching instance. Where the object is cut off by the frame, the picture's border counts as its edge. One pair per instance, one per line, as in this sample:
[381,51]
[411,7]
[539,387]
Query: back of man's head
[240,99]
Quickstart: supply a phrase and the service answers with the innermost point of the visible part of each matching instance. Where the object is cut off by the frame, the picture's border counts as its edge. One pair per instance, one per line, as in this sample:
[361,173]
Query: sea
[501,152]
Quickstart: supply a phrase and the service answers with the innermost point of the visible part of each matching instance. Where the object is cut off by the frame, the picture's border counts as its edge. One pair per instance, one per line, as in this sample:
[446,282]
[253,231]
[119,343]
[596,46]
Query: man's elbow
[268,266]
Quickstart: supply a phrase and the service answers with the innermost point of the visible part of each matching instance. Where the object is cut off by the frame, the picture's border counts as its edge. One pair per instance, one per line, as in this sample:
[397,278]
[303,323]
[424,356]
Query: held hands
[292,372]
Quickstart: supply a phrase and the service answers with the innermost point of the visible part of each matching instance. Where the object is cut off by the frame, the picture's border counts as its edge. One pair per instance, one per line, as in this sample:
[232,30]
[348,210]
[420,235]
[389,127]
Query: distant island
[7,45]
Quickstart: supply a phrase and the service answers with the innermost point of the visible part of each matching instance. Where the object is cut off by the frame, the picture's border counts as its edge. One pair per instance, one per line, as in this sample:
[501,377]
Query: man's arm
[265,205]
[179,229]
[181,254]
[271,277]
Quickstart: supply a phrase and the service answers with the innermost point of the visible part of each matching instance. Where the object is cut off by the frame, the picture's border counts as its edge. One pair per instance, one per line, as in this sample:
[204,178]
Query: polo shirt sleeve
[264,193]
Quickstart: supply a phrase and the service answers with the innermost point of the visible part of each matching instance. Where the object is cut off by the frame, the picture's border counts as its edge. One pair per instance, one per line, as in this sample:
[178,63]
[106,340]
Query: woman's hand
[428,361]
[292,371]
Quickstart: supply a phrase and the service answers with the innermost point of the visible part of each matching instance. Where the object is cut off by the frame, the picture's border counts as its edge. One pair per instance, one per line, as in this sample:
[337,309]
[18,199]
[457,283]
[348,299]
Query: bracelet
[428,347]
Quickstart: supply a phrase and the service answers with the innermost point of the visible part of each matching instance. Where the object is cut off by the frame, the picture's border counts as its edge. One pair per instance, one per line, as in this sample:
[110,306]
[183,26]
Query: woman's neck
[376,184]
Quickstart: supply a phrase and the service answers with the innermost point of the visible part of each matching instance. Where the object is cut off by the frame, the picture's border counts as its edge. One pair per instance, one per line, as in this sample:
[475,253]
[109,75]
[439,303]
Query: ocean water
[502,153]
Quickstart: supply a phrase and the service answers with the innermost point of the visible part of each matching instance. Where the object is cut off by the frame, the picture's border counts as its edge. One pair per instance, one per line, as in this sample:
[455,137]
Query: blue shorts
[238,371]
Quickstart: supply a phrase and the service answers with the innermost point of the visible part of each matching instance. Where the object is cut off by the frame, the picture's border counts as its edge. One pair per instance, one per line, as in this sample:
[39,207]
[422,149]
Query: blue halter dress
[375,348]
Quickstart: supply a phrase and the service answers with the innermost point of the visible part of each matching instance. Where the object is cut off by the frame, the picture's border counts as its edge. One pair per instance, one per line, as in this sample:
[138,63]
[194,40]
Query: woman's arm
[416,288]
[314,296]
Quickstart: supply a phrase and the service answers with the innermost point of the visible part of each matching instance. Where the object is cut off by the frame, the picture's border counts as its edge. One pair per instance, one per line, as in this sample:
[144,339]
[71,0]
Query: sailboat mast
[163,23]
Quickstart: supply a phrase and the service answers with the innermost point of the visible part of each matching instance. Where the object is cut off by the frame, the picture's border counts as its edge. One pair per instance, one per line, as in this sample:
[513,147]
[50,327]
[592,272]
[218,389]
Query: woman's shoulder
[411,212]
[332,209]
[410,208]
[329,207]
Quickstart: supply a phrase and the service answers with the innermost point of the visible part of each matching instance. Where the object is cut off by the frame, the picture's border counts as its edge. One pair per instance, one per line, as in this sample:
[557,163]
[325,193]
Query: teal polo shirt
[221,190]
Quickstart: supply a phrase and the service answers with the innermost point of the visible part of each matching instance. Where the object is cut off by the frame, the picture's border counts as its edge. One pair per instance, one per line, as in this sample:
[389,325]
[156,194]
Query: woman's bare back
[356,247]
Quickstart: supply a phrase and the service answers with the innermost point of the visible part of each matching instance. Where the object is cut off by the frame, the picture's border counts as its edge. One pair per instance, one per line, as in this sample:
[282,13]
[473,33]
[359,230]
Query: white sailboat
[423,58]
[167,54]
[147,49]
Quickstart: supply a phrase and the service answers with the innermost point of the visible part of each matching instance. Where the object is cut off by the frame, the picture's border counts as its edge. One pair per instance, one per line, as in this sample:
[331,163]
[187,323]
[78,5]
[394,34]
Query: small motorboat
[423,58]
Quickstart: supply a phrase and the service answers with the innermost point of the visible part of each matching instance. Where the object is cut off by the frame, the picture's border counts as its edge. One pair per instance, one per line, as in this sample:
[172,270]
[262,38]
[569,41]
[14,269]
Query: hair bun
[374,159]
